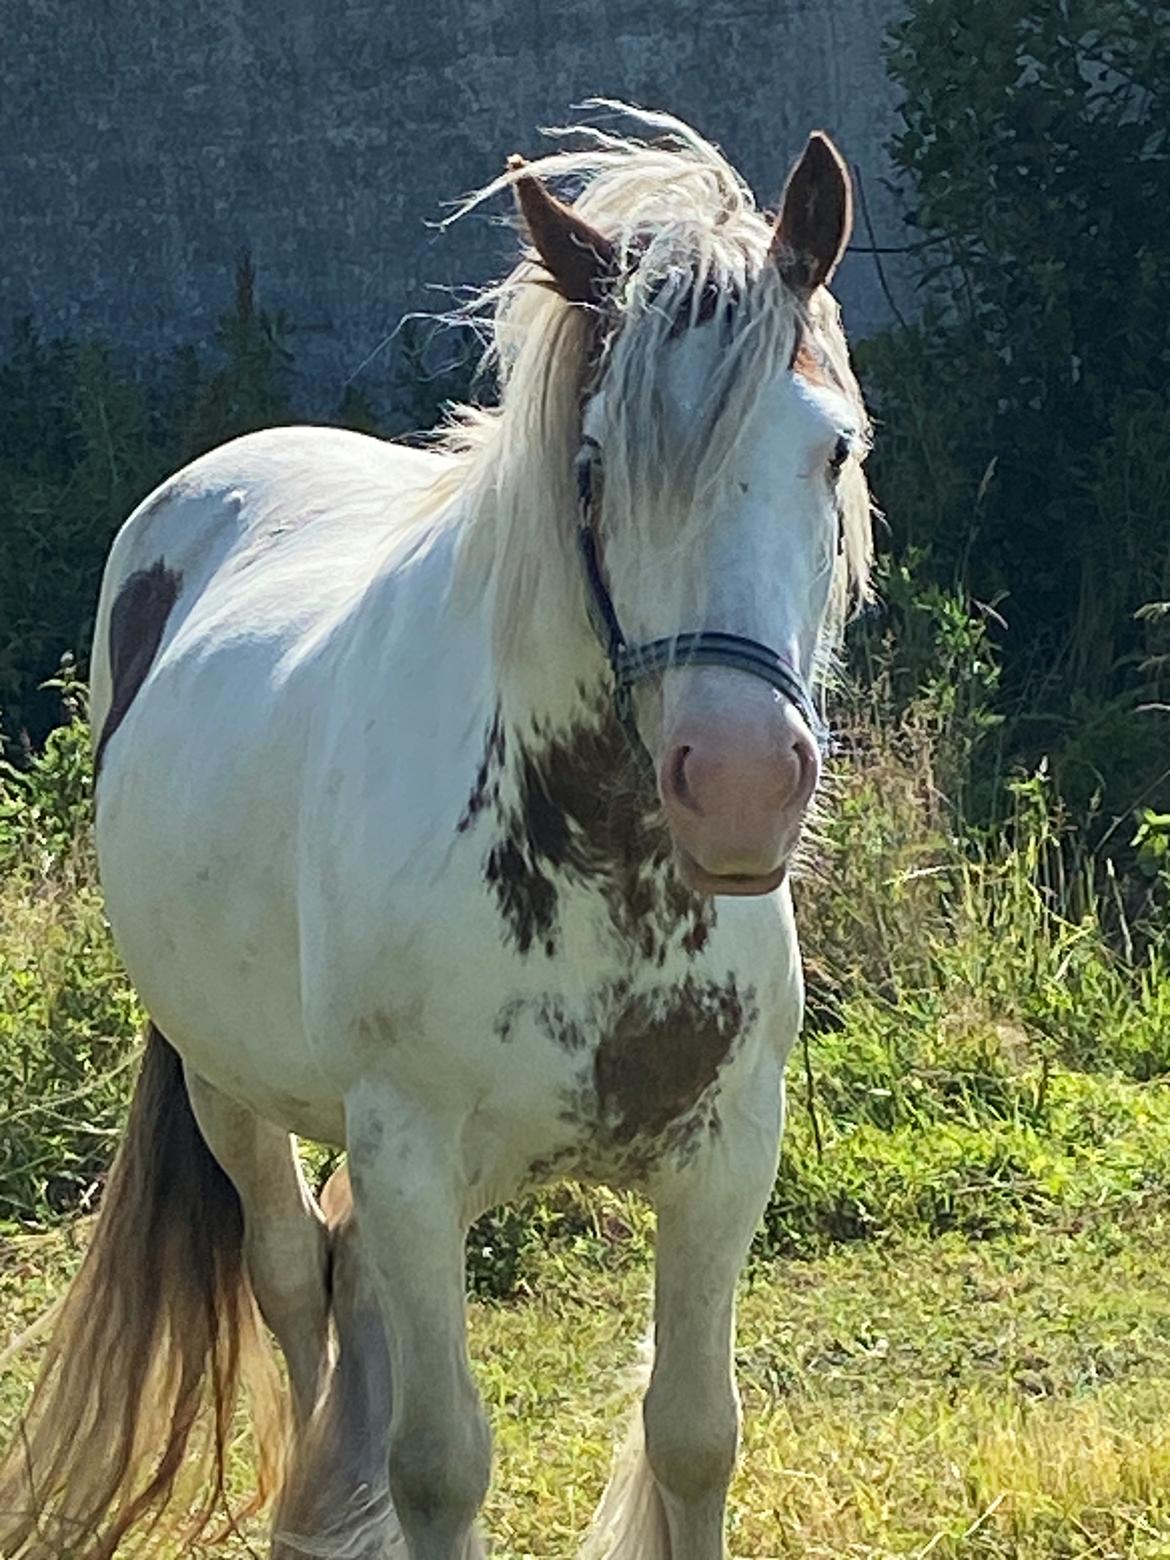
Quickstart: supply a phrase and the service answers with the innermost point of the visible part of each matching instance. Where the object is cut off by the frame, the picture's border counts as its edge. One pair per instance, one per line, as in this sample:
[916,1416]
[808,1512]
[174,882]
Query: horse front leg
[406,1176]
[706,1218]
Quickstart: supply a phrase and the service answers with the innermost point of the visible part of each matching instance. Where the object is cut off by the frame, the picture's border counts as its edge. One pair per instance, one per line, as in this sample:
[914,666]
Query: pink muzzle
[735,792]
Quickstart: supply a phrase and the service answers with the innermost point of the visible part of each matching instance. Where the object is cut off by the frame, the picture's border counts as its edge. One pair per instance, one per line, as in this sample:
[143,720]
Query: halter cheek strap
[632,664]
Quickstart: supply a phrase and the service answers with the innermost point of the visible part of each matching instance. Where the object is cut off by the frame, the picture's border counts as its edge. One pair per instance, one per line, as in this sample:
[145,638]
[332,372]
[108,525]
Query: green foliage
[45,805]
[1152,843]
[67,1013]
[989,1023]
[1024,449]
[552,1231]
[435,369]
[85,441]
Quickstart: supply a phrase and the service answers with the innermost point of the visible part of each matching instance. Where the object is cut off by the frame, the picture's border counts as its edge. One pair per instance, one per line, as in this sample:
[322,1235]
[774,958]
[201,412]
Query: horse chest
[619,1008]
[628,1076]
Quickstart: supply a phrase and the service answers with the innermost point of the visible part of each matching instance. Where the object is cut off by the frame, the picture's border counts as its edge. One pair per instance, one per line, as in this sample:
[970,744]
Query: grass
[921,1398]
[1005,1399]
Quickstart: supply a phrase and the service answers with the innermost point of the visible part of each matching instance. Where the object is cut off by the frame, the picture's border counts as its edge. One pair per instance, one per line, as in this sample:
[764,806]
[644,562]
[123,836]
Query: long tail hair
[629,1523]
[157,1332]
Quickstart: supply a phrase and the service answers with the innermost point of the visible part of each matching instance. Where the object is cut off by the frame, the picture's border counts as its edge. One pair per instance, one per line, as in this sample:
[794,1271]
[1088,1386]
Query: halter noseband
[632,664]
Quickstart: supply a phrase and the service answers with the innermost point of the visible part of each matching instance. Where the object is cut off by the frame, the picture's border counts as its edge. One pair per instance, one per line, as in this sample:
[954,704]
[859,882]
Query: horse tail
[630,1522]
[156,1334]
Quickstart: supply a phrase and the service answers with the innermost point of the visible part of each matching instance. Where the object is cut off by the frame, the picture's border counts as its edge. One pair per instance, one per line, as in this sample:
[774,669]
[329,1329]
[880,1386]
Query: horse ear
[578,258]
[816,217]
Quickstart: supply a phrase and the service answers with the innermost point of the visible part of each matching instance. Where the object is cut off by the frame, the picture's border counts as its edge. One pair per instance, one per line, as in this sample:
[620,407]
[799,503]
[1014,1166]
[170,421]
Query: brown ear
[816,217]
[578,258]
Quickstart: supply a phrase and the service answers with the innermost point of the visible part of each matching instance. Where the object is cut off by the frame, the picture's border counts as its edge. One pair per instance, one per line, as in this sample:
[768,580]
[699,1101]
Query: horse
[446,804]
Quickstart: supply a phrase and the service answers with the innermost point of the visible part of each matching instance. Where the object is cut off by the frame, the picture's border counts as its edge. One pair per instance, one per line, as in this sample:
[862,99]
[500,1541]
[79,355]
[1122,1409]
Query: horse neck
[549,671]
[554,684]
[572,797]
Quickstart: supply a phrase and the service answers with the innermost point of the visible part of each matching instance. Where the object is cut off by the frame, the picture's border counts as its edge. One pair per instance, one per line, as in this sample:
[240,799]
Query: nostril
[678,777]
[807,768]
[679,785]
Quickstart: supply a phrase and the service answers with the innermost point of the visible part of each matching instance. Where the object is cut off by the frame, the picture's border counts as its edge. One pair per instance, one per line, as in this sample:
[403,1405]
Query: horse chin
[741,885]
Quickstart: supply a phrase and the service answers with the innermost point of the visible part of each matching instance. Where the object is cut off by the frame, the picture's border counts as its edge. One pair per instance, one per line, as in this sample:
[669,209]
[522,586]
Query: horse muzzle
[735,794]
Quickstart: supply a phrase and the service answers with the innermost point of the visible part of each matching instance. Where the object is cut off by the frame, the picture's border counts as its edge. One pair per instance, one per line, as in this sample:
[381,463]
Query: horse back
[258,540]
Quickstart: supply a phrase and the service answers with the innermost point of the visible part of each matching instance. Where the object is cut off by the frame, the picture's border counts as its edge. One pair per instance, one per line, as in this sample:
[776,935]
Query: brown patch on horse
[138,621]
[553,1016]
[648,1088]
[487,777]
[585,811]
[377,1031]
[658,1058]
[810,362]
[158,1331]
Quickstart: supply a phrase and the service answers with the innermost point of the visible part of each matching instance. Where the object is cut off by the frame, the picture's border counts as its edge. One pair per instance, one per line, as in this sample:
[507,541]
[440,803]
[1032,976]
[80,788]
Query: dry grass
[940,1399]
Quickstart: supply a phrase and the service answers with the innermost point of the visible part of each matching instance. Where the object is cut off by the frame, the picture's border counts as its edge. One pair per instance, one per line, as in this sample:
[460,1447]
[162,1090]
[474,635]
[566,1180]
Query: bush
[68,1017]
[1024,449]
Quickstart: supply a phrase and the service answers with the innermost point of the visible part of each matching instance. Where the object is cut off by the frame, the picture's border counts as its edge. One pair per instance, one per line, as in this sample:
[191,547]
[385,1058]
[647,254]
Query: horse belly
[197,860]
[229,1003]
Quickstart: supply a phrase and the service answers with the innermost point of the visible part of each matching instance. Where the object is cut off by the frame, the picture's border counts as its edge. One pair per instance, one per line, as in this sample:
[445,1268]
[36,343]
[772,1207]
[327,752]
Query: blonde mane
[692,244]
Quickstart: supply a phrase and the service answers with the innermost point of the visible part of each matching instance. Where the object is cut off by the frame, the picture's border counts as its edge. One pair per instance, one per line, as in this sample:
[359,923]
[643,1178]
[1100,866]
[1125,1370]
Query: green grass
[1004,1399]
[925,1397]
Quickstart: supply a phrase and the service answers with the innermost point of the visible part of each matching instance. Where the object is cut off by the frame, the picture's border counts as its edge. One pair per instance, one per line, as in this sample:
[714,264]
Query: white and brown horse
[445,806]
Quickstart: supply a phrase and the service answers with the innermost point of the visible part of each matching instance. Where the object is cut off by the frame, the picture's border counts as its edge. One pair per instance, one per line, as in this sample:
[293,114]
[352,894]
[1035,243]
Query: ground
[940,1398]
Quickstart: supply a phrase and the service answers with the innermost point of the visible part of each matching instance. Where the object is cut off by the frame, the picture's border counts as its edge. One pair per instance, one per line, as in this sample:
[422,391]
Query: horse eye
[841,453]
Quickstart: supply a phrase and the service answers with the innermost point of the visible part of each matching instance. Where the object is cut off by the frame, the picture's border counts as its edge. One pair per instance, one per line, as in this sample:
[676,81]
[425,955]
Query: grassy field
[923,1398]
[955,1328]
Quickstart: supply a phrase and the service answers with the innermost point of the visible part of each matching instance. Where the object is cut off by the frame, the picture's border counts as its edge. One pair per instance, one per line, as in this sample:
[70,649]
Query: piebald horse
[445,805]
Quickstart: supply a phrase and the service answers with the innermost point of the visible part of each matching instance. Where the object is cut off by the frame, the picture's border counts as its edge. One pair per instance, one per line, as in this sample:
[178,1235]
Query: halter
[632,664]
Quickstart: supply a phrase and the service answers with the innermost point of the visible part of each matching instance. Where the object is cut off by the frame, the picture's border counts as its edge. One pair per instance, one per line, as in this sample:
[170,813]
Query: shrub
[1024,452]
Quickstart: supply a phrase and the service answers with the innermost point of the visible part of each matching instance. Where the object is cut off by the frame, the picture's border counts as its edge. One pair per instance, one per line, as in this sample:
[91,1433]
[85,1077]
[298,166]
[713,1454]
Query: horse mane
[692,245]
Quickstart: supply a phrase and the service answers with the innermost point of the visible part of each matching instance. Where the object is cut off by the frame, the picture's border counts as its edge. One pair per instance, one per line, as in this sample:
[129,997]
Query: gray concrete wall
[143,142]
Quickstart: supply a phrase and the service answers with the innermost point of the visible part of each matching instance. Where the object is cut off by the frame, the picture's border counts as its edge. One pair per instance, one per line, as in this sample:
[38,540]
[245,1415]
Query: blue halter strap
[632,664]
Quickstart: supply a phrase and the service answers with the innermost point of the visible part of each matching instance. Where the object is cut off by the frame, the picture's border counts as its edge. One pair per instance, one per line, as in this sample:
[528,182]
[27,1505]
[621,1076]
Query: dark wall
[143,142]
